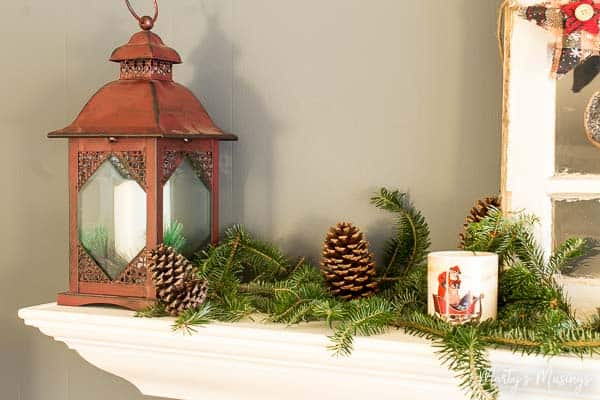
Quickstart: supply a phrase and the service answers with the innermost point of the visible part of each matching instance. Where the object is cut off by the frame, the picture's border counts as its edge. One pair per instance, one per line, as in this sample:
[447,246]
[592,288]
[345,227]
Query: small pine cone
[347,265]
[481,210]
[173,277]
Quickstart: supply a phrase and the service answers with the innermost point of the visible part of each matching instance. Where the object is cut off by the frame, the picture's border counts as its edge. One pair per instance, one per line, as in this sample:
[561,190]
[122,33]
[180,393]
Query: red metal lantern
[143,162]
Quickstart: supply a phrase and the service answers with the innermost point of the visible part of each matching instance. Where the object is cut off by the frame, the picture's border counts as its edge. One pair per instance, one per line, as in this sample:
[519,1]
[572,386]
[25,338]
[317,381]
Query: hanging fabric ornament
[575,26]
[592,119]
[585,73]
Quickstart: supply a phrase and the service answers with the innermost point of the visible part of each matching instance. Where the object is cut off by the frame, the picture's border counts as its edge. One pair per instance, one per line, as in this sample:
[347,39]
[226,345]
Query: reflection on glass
[578,219]
[186,210]
[574,152]
[112,218]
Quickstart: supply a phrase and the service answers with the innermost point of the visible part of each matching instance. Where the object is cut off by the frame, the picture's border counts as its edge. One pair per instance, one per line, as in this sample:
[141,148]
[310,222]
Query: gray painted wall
[331,99]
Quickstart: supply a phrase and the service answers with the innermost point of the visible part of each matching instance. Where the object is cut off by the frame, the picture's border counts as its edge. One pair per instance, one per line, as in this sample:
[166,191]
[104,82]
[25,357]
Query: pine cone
[347,265]
[481,210]
[173,277]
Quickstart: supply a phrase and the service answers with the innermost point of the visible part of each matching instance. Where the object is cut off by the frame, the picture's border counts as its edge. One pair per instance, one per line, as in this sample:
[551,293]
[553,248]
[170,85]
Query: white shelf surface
[264,361]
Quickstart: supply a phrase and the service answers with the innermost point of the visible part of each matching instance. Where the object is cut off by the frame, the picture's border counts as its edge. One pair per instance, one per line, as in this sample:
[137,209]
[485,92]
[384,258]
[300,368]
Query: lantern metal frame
[150,124]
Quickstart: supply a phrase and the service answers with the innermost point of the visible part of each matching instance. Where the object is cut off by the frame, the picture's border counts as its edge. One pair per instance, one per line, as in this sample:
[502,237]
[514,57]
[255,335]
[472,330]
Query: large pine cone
[481,210]
[173,276]
[347,264]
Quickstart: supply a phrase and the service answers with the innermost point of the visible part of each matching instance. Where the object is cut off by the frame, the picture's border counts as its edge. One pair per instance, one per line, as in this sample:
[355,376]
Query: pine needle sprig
[306,274]
[220,267]
[569,250]
[464,352]
[265,260]
[173,236]
[189,320]
[331,311]
[155,310]
[530,253]
[233,307]
[366,317]
[298,304]
[594,322]
[520,285]
[423,325]
[411,289]
[410,244]
[497,233]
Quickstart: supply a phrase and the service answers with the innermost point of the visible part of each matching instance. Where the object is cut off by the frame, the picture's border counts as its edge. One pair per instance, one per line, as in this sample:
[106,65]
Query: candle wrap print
[462,285]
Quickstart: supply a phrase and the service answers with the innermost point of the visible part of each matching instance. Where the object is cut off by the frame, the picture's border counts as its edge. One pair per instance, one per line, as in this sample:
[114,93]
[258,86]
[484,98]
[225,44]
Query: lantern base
[79,299]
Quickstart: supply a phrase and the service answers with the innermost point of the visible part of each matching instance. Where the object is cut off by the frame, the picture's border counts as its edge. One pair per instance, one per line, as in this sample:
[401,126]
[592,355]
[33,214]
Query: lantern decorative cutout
[143,160]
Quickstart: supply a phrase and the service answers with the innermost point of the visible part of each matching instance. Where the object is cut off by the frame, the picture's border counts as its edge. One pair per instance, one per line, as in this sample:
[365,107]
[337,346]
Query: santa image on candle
[454,302]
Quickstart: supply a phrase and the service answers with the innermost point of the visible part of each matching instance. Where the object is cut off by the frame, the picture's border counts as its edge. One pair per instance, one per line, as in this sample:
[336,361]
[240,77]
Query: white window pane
[574,152]
[578,219]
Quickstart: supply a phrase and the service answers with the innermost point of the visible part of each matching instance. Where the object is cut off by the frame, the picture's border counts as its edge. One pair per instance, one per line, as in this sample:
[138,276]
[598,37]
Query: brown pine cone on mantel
[176,285]
[347,264]
[479,211]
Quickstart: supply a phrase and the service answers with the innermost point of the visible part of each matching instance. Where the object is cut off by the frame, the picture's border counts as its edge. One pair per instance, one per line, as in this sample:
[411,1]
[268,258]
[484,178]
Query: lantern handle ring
[146,22]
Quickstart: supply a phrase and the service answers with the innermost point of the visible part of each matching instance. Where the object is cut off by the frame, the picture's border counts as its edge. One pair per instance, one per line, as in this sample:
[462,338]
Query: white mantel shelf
[259,361]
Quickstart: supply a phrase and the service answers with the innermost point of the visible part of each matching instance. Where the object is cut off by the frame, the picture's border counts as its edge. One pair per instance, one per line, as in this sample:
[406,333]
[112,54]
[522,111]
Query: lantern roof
[144,101]
[145,45]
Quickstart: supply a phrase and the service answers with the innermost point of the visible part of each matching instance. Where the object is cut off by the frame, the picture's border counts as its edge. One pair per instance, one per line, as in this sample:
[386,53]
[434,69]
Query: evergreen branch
[232,308]
[530,253]
[264,256]
[497,233]
[306,274]
[523,344]
[366,317]
[297,309]
[189,320]
[464,353]
[219,266]
[518,339]
[152,311]
[266,260]
[234,245]
[570,249]
[299,264]
[409,246]
[297,304]
[246,275]
[594,322]
[418,330]
[424,325]
[261,288]
[173,236]
[331,310]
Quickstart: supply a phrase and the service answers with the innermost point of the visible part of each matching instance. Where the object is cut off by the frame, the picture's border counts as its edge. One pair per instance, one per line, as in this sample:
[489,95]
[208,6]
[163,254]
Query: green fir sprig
[173,236]
[408,248]
[189,320]
[248,277]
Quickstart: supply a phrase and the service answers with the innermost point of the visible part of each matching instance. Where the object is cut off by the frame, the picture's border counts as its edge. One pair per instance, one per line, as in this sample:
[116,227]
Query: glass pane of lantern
[112,218]
[574,152]
[579,219]
[186,210]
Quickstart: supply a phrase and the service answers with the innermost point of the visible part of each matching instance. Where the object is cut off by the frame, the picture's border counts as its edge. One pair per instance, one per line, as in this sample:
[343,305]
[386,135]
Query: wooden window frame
[529,182]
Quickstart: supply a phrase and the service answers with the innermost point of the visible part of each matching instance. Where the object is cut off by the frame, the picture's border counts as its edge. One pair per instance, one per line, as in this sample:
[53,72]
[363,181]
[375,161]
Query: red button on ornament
[584,12]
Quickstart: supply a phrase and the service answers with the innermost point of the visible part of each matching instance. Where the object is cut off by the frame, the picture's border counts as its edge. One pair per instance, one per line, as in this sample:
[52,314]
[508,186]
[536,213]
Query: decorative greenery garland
[247,276]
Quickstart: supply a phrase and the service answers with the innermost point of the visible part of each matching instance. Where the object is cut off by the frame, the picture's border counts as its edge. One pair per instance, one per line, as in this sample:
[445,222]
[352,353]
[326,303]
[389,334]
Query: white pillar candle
[462,285]
[129,219]
[167,208]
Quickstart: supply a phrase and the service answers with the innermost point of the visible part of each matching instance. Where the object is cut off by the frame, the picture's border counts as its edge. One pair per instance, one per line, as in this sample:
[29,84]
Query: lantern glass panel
[112,217]
[186,209]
